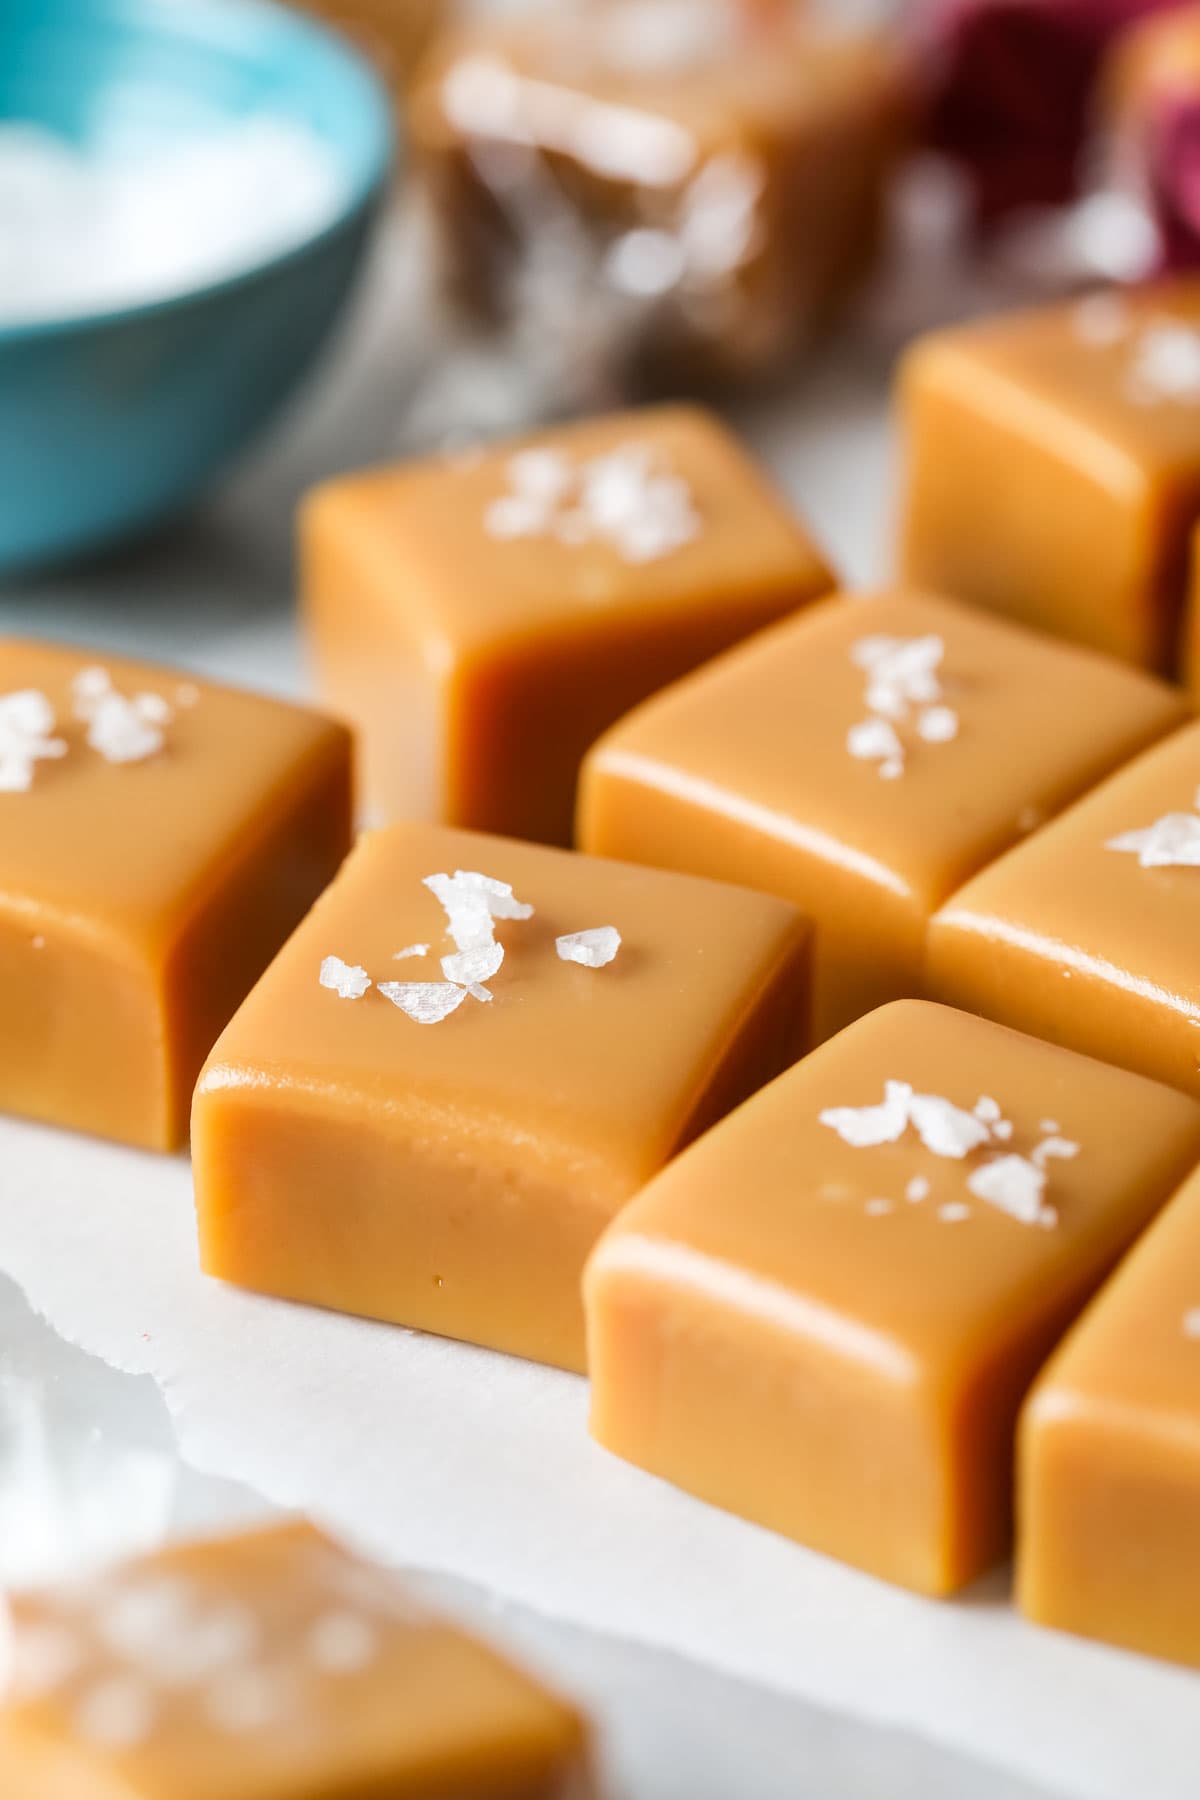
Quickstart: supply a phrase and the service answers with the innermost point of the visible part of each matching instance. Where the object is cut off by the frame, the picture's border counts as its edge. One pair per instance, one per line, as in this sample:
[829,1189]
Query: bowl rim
[362,195]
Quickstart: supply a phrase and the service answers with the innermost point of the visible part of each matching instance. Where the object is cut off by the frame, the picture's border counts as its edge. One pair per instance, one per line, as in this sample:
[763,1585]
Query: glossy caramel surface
[832,1338]
[453,1176]
[746,771]
[139,899]
[1110,1456]
[1080,942]
[1053,466]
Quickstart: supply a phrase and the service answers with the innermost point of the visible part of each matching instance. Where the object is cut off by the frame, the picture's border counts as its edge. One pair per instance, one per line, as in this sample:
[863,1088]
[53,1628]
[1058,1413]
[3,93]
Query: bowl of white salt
[187,189]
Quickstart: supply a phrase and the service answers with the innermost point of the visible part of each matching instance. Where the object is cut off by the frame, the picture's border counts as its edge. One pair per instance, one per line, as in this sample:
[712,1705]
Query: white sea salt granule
[938,724]
[628,498]
[593,948]
[1191,1323]
[470,968]
[472,902]
[104,226]
[917,1189]
[874,740]
[876,1208]
[865,1126]
[122,730]
[26,737]
[425,1002]
[410,950]
[944,1128]
[954,1212]
[1013,1184]
[1165,364]
[348,980]
[1171,842]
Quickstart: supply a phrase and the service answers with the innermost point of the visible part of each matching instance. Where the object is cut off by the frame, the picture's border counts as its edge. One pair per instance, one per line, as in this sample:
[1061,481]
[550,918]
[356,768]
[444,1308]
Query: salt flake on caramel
[593,949]
[122,730]
[1172,842]
[26,738]
[425,1002]
[347,980]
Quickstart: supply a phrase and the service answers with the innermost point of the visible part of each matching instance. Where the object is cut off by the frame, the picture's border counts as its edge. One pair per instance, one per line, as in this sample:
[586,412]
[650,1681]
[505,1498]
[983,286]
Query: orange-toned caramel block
[453,1174]
[159,838]
[1086,934]
[705,176]
[1053,466]
[483,619]
[1109,1456]
[823,1316]
[863,761]
[269,1666]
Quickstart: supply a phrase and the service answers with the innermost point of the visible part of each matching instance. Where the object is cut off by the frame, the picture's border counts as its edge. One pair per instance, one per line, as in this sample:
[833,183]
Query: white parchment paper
[445,1456]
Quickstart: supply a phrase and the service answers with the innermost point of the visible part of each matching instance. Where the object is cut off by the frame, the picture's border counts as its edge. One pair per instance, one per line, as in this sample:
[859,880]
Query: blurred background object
[674,193]
[1150,103]
[185,196]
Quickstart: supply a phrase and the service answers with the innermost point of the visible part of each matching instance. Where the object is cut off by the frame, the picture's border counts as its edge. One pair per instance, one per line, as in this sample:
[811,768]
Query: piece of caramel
[269,1666]
[1109,1456]
[454,1175]
[1053,466]
[482,619]
[823,1315]
[1086,933]
[704,183]
[863,760]
[154,854]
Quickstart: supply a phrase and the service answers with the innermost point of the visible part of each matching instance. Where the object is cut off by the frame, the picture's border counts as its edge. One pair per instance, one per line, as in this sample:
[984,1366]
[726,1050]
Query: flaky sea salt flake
[938,725]
[1171,842]
[347,980]
[874,740]
[1061,1147]
[425,1002]
[1013,1184]
[917,1189]
[1191,1323]
[865,1126]
[944,1128]
[594,948]
[954,1212]
[470,968]
[410,950]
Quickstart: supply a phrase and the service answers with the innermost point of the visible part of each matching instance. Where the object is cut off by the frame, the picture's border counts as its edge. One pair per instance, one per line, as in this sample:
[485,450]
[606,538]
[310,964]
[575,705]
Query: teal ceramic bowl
[111,421]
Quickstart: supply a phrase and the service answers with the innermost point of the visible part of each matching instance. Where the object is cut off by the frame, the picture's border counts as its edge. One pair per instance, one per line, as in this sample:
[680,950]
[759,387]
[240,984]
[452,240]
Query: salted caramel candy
[862,761]
[1109,1456]
[159,838]
[823,1315]
[1086,934]
[1053,466]
[483,619]
[705,177]
[269,1666]
[469,1056]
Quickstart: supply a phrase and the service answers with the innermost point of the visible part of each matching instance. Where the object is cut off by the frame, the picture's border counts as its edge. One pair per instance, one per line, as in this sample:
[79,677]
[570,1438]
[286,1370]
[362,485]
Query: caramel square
[1086,933]
[269,1666]
[483,619]
[704,185]
[1109,1456]
[1053,466]
[159,838]
[824,1315]
[863,761]
[453,1175]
